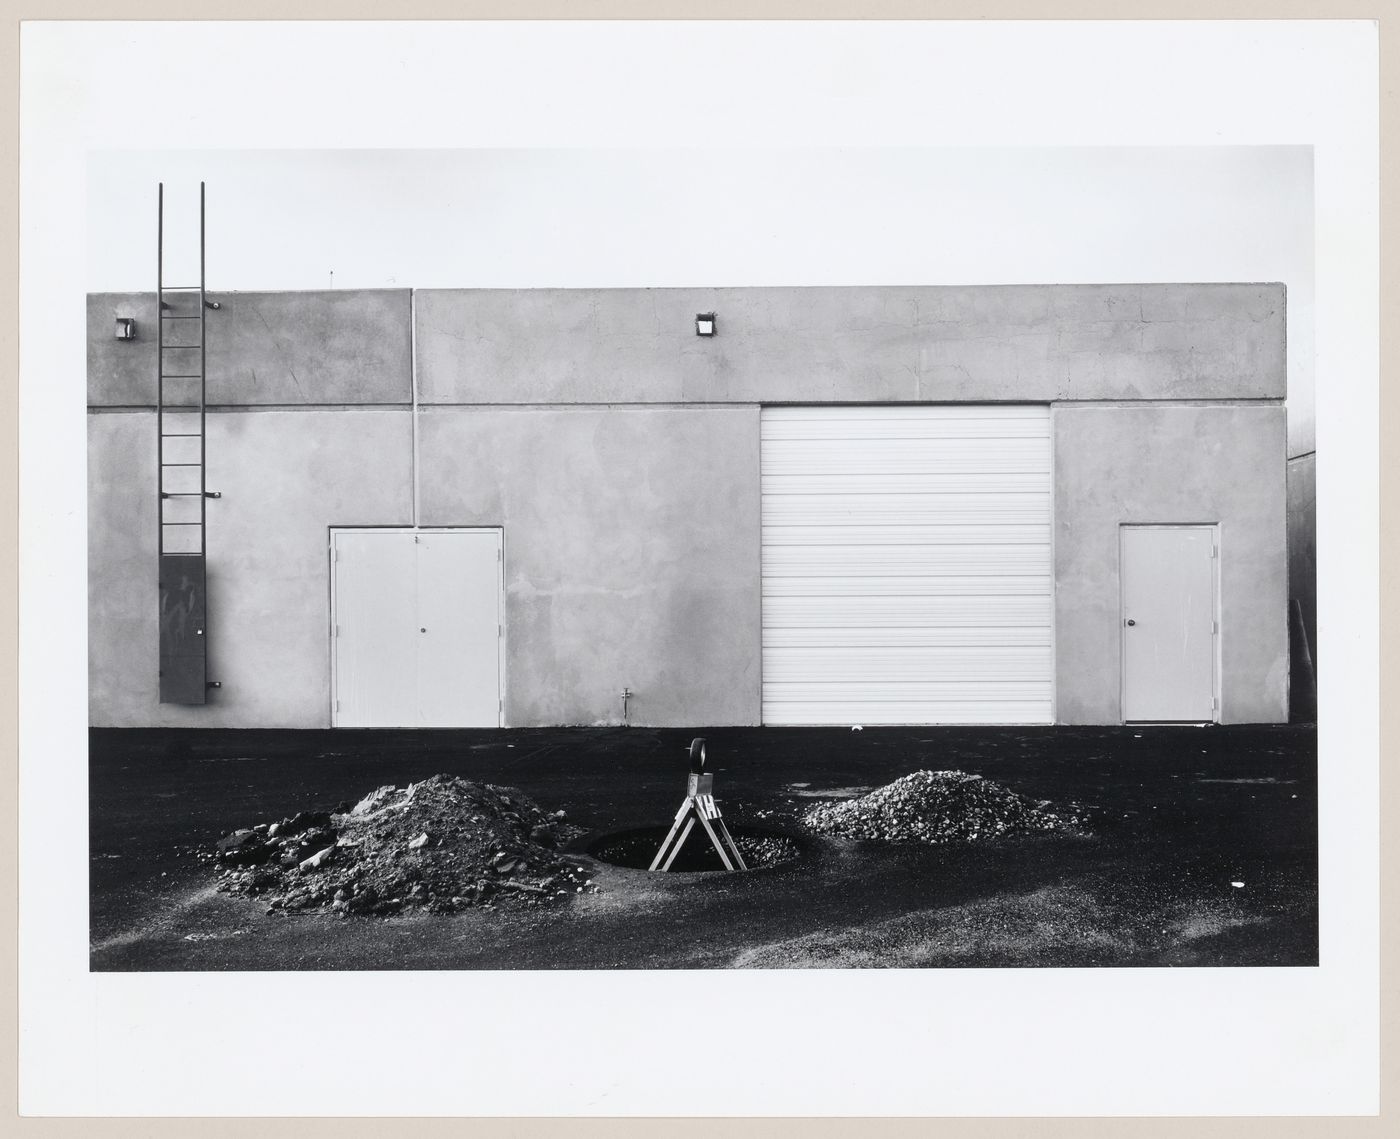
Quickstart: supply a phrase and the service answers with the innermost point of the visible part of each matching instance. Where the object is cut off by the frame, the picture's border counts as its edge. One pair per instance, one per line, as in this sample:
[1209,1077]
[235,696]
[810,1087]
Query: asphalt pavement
[1205,853]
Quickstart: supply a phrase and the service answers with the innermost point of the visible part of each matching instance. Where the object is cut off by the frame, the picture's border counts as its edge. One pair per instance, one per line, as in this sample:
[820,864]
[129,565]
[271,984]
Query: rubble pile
[761,850]
[442,845]
[945,807]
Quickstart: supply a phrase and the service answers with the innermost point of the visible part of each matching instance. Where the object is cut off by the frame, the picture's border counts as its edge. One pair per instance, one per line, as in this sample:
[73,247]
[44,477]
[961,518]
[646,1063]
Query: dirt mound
[945,807]
[441,845]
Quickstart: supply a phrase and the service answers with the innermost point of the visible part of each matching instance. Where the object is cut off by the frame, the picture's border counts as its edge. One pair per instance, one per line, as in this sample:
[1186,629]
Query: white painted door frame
[1124,616]
[331,628]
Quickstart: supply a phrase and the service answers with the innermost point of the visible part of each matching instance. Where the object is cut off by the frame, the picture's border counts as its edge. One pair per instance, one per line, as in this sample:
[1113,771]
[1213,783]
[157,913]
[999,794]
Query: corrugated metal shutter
[906,565]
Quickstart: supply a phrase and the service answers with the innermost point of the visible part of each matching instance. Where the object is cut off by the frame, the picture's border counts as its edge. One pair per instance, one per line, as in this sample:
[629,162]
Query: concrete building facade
[632,473]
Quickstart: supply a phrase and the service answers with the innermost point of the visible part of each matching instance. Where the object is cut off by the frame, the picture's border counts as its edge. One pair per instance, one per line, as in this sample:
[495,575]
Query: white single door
[417,628]
[1169,624]
[906,565]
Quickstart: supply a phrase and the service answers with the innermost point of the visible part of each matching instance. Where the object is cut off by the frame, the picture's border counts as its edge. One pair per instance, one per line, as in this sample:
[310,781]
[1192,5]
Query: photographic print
[960,619]
[809,529]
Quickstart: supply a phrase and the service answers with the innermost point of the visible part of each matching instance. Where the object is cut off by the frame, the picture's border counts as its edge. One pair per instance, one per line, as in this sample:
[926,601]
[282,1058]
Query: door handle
[1130,621]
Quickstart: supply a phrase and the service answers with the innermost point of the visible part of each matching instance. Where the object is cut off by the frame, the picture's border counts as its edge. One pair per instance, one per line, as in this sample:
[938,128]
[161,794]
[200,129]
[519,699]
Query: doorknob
[1130,621]
[422,630]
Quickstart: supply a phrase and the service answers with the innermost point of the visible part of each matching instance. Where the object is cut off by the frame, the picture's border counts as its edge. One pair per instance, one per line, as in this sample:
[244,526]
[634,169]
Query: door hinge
[1215,627]
[500,630]
[337,631]
[337,705]
[1215,551]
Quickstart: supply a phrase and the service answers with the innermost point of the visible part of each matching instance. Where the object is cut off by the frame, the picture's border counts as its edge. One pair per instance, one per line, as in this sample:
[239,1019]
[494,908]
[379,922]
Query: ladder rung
[180,435]
[180,288]
[182,523]
[181,494]
[172,347]
[181,316]
[182,464]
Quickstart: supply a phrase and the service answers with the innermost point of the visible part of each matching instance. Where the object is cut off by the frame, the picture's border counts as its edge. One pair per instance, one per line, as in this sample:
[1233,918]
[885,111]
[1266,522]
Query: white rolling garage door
[907,573]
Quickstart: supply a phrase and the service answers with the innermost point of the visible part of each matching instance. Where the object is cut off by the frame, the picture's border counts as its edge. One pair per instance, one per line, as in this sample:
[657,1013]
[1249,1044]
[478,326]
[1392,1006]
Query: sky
[706,216]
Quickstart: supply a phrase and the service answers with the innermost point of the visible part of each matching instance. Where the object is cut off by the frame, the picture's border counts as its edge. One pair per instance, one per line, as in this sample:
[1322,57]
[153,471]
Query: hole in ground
[636,849]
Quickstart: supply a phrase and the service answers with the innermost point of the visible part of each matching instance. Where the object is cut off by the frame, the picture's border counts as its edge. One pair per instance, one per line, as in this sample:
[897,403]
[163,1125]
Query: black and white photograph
[737,625]
[699,569]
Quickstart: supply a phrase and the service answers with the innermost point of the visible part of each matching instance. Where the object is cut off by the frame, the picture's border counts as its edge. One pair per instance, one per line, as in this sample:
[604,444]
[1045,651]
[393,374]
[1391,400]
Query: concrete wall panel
[1171,464]
[285,478]
[341,347]
[632,534]
[631,547]
[1302,580]
[1302,541]
[811,345]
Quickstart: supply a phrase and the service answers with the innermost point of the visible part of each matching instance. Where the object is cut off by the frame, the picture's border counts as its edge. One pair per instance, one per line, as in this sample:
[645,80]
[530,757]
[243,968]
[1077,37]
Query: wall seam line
[413,386]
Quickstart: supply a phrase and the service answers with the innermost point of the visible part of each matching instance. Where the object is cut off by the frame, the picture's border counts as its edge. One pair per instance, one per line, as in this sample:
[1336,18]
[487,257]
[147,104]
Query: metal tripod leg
[714,841]
[699,806]
[680,842]
[675,826]
[733,846]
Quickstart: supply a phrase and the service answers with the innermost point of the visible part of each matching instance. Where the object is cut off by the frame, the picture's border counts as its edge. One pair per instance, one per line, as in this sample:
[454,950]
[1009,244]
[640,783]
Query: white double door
[417,628]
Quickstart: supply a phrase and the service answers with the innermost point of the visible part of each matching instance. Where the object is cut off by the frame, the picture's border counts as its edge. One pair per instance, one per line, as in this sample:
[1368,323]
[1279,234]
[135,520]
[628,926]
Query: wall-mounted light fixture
[126,328]
[704,324]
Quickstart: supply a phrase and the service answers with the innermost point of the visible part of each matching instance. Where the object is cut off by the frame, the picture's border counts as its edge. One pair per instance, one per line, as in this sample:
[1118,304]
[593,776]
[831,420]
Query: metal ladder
[180,467]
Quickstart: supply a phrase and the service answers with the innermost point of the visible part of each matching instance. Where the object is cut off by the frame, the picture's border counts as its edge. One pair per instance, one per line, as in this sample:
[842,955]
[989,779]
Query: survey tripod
[699,805]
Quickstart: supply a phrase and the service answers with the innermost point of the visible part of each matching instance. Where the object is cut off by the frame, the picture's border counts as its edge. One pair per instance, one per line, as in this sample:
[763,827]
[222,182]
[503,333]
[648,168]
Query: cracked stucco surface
[285,477]
[632,534]
[1003,342]
[1210,465]
[1035,343]
[349,346]
[631,554]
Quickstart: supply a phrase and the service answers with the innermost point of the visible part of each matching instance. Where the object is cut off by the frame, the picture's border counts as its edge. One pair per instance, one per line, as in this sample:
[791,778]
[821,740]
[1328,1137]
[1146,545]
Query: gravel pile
[945,807]
[442,845]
